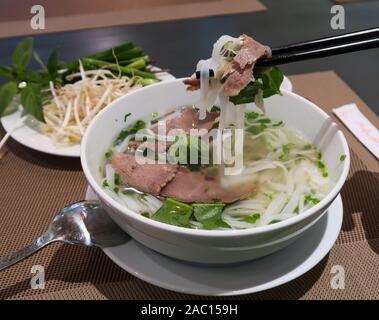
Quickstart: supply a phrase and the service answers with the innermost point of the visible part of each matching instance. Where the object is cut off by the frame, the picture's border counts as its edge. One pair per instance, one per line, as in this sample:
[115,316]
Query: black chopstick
[319,53]
[328,41]
[319,48]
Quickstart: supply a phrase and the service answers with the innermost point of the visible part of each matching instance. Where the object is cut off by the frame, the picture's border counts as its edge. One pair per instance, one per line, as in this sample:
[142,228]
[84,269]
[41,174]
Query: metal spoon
[82,223]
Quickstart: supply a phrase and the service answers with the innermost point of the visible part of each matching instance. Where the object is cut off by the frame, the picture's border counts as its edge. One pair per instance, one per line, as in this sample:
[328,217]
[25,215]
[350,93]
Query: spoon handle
[25,252]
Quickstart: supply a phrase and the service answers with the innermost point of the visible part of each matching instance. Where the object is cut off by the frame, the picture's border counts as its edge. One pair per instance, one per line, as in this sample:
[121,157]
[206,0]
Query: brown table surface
[34,186]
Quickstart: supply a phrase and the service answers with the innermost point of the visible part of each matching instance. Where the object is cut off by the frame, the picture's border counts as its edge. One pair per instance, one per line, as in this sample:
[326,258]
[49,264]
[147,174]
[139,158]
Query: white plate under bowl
[30,136]
[233,279]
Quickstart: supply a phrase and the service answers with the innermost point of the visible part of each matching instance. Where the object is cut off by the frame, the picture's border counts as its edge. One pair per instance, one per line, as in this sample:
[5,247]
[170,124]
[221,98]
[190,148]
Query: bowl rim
[210,233]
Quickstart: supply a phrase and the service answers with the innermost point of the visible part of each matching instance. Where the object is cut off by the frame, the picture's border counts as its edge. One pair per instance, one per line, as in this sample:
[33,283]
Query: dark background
[179,45]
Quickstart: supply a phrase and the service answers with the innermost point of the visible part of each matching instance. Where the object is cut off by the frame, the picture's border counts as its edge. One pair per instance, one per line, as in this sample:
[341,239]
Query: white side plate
[30,136]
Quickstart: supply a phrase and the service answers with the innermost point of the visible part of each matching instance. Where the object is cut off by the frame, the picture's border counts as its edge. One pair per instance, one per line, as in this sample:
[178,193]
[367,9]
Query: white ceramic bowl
[211,246]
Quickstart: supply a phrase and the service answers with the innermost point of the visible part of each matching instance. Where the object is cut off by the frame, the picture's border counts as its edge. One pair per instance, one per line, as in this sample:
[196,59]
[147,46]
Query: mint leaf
[7,93]
[22,54]
[31,100]
[174,212]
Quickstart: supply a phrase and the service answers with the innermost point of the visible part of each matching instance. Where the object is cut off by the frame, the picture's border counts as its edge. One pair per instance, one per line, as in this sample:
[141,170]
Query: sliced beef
[187,119]
[149,178]
[195,186]
[239,72]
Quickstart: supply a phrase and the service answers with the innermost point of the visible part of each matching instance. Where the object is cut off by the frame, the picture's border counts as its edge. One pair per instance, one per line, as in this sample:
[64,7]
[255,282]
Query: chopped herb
[108,154]
[131,129]
[255,130]
[308,147]
[116,189]
[264,120]
[310,199]
[145,214]
[117,179]
[215,109]
[343,157]
[252,115]
[105,184]
[252,218]
[322,167]
[274,221]
[126,116]
[296,210]
[278,124]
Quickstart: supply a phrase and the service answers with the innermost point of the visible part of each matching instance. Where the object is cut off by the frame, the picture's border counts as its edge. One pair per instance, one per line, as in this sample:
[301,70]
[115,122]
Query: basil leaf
[7,93]
[22,54]
[6,72]
[174,212]
[52,64]
[272,79]
[247,94]
[268,80]
[31,100]
[209,215]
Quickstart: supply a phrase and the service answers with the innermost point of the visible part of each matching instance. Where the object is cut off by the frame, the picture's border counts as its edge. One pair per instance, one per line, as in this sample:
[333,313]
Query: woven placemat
[34,186]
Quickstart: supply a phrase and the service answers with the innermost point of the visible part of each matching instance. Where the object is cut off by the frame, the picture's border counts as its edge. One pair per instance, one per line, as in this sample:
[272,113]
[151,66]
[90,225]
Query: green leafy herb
[323,169]
[267,79]
[6,72]
[108,154]
[145,214]
[22,54]
[31,100]
[209,215]
[253,218]
[105,184]
[215,109]
[127,116]
[174,212]
[310,199]
[52,64]
[308,147]
[117,179]
[343,157]
[131,129]
[252,115]
[7,93]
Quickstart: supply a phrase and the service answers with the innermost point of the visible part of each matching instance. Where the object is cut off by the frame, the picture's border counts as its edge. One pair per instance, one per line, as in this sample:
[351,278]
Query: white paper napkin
[360,126]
